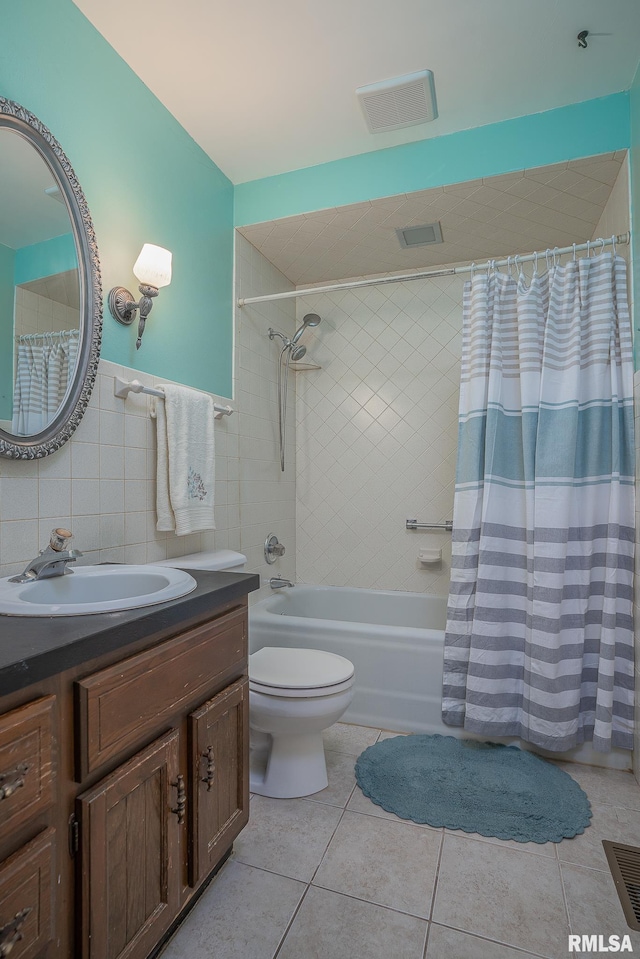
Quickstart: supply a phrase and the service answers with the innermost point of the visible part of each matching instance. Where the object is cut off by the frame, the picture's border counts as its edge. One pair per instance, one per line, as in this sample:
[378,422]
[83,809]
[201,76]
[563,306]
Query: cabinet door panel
[26,763]
[26,898]
[130,855]
[120,704]
[219,748]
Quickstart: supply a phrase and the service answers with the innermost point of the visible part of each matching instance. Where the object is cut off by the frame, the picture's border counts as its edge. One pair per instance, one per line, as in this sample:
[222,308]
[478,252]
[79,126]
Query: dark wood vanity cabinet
[152,789]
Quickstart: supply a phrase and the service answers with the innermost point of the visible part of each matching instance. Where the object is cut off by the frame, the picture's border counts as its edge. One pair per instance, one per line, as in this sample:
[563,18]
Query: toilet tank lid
[209,559]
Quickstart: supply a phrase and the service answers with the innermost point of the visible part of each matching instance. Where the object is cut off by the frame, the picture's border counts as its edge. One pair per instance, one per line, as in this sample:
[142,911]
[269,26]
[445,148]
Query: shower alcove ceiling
[375,428]
[496,216]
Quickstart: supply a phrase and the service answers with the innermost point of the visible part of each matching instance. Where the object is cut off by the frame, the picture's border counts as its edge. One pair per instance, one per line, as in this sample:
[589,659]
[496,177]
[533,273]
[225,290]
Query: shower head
[297,352]
[311,319]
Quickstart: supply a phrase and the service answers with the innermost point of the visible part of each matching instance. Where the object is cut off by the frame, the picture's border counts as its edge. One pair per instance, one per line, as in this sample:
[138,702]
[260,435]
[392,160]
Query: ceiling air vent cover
[410,236]
[402,102]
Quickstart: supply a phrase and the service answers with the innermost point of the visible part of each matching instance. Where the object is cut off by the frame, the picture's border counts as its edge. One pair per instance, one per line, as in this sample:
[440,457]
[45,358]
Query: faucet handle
[59,539]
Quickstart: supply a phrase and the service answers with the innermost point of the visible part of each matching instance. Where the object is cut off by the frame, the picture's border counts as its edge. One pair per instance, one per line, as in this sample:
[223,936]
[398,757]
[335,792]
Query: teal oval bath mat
[485,788]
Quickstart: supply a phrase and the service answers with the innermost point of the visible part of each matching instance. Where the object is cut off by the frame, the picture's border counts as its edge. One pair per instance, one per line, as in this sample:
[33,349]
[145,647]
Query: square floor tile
[352,740]
[611,786]
[619,824]
[330,926]
[593,904]
[242,915]
[342,780]
[362,804]
[444,943]
[503,894]
[393,864]
[286,836]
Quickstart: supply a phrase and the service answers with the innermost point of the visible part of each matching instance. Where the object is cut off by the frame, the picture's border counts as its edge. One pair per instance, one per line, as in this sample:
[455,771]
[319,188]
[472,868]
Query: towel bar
[122,388]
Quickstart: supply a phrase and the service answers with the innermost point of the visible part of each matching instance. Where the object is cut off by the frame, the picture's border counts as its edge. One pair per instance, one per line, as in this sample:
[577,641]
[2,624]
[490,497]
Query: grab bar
[414,524]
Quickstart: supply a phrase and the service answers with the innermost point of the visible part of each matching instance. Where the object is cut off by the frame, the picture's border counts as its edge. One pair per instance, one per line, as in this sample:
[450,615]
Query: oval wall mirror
[50,290]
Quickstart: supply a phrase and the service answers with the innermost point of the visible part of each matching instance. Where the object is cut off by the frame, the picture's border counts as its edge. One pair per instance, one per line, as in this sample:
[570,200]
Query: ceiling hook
[582,39]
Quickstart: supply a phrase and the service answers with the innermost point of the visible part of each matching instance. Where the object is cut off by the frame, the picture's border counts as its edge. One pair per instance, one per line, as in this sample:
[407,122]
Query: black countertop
[32,648]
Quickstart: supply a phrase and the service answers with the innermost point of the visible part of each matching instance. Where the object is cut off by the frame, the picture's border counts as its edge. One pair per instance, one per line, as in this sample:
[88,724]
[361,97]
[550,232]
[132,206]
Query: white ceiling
[481,219]
[268,87]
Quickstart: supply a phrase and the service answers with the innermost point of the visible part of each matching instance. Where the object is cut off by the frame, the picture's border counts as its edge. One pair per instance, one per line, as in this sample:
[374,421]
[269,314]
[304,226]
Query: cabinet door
[219,793]
[129,836]
[27,889]
[26,763]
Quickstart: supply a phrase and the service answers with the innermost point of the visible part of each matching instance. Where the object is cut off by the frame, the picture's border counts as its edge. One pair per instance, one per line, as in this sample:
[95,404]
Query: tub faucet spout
[277,582]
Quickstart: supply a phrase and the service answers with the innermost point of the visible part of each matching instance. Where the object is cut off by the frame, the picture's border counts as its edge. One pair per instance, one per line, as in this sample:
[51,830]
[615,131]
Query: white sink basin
[94,589]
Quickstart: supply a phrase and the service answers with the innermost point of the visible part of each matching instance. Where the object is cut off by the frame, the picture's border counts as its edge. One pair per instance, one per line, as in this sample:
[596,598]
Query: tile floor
[334,876]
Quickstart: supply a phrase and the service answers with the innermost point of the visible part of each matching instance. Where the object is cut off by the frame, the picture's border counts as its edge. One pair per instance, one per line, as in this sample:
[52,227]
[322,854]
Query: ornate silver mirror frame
[14,117]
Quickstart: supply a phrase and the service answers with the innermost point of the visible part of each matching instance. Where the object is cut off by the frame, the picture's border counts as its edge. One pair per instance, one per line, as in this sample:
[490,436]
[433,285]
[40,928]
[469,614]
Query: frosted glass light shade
[153,266]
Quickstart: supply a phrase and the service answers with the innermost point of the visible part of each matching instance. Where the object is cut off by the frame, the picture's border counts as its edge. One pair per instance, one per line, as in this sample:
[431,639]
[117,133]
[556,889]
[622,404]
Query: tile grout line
[309,883]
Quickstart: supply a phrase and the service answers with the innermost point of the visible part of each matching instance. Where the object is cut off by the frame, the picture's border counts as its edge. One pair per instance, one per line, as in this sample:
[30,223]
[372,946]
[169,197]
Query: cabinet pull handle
[10,934]
[11,781]
[211,768]
[181,803]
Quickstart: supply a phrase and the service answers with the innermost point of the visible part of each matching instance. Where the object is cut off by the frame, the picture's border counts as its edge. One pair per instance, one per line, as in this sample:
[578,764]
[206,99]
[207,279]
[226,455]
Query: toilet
[294,695]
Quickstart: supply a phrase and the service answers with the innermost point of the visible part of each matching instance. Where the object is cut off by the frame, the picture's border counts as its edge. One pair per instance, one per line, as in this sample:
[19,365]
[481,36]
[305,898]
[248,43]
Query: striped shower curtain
[45,361]
[539,639]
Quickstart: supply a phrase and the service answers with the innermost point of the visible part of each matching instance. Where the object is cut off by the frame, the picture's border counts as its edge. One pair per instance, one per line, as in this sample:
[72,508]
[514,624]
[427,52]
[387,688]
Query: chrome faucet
[277,582]
[52,560]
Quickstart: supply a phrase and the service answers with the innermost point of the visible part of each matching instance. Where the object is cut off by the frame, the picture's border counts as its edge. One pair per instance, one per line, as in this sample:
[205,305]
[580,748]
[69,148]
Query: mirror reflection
[40,301]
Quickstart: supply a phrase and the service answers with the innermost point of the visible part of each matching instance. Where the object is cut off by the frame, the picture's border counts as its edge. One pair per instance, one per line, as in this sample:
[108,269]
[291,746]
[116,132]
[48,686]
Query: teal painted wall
[634,166]
[6,331]
[45,259]
[145,180]
[583,129]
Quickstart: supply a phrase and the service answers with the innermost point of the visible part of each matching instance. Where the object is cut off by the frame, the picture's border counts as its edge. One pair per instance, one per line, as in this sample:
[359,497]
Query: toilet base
[294,766]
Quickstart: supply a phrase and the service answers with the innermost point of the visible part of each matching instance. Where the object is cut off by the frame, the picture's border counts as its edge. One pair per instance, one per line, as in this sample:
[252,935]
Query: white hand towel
[186,463]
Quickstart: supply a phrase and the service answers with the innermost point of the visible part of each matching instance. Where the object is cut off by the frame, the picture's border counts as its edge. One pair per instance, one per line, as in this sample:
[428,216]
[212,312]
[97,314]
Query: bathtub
[397,658]
[395,641]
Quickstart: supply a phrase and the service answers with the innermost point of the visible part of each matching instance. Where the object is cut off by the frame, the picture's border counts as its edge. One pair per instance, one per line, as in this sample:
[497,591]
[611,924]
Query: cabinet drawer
[121,705]
[26,763]
[26,894]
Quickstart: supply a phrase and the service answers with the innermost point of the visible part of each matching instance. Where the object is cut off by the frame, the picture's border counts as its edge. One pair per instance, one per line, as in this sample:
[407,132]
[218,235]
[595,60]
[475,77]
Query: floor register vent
[624,863]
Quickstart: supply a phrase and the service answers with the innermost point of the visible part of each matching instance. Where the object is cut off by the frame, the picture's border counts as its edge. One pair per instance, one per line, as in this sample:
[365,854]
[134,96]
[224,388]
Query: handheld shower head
[297,352]
[311,319]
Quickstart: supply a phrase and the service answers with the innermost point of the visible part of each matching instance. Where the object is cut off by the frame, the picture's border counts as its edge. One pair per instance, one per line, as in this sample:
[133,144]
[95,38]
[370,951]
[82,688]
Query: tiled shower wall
[377,427]
[377,433]
[101,484]
[267,495]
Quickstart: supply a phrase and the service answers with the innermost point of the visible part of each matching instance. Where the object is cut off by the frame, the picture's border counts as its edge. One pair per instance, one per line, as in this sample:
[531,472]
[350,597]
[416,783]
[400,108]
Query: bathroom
[101,483]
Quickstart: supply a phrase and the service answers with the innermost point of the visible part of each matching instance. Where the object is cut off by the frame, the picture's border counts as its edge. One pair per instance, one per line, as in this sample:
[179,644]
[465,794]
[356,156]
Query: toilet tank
[207,560]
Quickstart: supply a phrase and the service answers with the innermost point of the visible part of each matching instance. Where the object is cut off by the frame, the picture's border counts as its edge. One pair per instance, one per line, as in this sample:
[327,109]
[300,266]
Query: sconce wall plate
[121,305]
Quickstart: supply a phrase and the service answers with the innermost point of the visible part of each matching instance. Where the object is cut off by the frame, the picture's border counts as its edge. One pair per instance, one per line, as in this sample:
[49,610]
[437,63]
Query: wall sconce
[153,269]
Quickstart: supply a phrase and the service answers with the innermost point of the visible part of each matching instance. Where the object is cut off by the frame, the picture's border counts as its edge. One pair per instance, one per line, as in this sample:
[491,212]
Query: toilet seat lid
[285,668]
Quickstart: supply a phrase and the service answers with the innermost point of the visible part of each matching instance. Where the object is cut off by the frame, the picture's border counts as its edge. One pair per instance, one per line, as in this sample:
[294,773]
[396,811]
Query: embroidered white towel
[186,462]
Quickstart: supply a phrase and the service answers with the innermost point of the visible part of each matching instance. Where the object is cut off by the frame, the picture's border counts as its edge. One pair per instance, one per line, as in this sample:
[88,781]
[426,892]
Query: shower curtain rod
[468,268]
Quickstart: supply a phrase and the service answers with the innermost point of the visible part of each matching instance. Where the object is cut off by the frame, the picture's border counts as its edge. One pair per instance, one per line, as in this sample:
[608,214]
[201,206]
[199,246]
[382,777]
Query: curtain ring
[613,244]
[473,270]
[588,248]
[556,255]
[535,262]
[574,252]
[602,241]
[547,253]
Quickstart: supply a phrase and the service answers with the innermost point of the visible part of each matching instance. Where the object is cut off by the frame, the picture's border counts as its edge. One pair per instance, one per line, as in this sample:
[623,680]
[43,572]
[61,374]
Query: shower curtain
[41,378]
[539,638]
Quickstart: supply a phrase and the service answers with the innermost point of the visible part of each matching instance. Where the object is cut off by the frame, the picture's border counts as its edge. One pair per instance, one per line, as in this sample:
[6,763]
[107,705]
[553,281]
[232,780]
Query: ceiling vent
[402,102]
[411,236]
